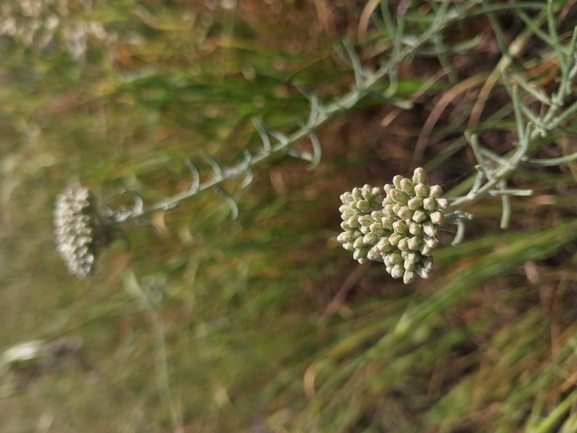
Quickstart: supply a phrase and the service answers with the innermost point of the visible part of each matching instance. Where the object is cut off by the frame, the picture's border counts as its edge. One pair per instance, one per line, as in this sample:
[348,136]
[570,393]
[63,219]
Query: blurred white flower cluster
[399,228]
[39,24]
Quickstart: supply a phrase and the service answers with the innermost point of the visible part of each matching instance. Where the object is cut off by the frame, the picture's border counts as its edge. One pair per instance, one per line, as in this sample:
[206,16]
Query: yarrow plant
[81,229]
[399,228]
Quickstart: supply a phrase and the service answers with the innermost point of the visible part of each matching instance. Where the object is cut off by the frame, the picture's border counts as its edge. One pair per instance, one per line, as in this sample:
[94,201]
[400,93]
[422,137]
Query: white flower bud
[363,206]
[383,245]
[436,191]
[347,214]
[370,239]
[437,218]
[348,246]
[353,222]
[374,255]
[420,176]
[365,220]
[421,190]
[407,186]
[405,213]
[408,265]
[422,272]
[425,250]
[403,245]
[442,203]
[397,271]
[430,229]
[398,196]
[400,226]
[429,204]
[414,243]
[431,242]
[377,215]
[395,238]
[387,223]
[377,229]
[359,256]
[419,216]
[409,277]
[397,181]
[358,243]
[415,203]
[415,228]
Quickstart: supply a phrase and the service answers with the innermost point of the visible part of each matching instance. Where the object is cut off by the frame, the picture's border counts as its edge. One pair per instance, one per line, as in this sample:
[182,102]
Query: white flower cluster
[77,223]
[399,229]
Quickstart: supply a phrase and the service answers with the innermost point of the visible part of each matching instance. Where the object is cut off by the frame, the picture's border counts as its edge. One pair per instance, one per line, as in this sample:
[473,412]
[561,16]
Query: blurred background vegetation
[264,323]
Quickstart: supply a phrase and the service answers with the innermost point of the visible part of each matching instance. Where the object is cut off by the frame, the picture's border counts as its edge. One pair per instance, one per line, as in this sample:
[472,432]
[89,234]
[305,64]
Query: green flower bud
[403,245]
[377,215]
[414,243]
[377,229]
[363,206]
[422,272]
[415,228]
[365,220]
[431,242]
[347,198]
[409,277]
[420,176]
[383,245]
[388,187]
[358,243]
[415,203]
[430,229]
[421,190]
[407,186]
[397,271]
[419,216]
[408,265]
[429,204]
[398,196]
[397,181]
[359,256]
[395,238]
[387,223]
[374,255]
[405,213]
[346,214]
[353,222]
[370,239]
[425,250]
[365,230]
[400,226]
[348,246]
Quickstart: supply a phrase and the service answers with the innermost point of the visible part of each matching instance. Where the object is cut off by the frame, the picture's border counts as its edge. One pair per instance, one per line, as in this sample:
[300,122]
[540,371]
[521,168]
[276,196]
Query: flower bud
[409,277]
[398,196]
[395,238]
[429,204]
[397,271]
[415,203]
[365,220]
[405,213]
[430,229]
[421,190]
[363,206]
[408,265]
[442,203]
[420,176]
[407,186]
[377,215]
[431,242]
[422,272]
[370,239]
[383,245]
[414,243]
[400,226]
[374,255]
[425,250]
[436,191]
[377,229]
[397,181]
[419,216]
[403,245]
[437,218]
[353,222]
[358,243]
[359,256]
[348,246]
[415,228]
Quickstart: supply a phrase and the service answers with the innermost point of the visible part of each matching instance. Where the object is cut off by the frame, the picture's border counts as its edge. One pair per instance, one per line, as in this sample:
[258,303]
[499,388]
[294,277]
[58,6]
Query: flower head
[402,231]
[80,229]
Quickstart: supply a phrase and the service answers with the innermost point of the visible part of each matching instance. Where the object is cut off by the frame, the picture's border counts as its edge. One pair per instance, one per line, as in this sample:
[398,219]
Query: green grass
[227,325]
